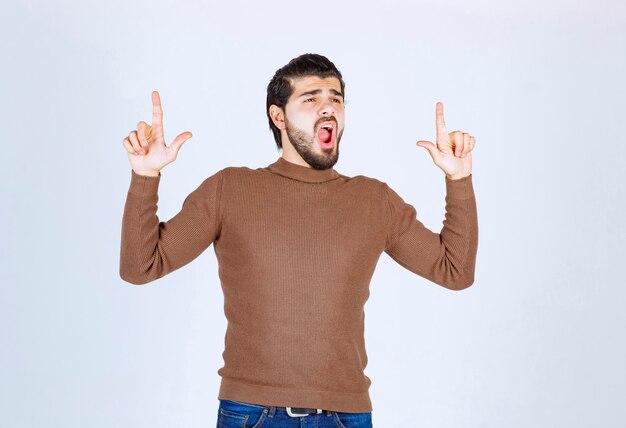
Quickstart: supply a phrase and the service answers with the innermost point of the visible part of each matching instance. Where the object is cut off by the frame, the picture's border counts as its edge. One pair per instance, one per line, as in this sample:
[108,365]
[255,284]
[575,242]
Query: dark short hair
[279,89]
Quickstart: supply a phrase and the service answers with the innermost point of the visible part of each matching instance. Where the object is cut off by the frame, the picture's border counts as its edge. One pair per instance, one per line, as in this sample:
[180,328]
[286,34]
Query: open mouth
[326,134]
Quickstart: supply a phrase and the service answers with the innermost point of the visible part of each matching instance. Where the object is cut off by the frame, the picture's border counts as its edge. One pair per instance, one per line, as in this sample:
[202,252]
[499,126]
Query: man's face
[316,104]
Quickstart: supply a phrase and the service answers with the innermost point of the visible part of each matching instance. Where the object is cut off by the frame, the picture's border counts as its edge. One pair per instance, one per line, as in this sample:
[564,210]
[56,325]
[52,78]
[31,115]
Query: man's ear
[278,116]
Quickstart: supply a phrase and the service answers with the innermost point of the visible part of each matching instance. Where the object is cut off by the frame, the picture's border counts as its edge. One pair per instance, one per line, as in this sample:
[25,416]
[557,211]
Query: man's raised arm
[447,258]
[151,249]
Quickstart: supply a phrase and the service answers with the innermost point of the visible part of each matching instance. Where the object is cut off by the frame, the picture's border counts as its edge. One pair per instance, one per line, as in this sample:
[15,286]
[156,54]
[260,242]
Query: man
[297,243]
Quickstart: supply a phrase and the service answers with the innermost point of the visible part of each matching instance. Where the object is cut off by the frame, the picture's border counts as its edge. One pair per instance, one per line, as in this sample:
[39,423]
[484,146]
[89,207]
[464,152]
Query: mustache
[326,119]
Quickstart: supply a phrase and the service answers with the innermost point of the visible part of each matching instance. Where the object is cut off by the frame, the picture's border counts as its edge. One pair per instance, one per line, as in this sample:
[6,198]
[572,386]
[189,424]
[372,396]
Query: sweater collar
[302,173]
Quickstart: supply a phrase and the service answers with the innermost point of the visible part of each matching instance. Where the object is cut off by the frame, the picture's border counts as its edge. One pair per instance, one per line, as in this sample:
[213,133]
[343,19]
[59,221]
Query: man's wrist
[148,173]
[457,177]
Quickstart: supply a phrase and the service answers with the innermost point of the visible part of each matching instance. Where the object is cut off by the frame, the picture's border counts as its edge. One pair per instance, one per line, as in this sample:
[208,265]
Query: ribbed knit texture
[296,249]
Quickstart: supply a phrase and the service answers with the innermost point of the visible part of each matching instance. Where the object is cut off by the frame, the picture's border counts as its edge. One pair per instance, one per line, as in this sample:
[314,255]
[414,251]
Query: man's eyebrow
[317,91]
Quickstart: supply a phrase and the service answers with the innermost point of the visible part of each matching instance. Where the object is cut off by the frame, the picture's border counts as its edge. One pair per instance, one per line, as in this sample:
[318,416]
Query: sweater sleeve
[150,249]
[447,258]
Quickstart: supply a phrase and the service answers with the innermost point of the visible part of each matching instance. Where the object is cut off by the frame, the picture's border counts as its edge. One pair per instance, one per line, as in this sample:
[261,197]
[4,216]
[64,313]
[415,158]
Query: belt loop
[272,411]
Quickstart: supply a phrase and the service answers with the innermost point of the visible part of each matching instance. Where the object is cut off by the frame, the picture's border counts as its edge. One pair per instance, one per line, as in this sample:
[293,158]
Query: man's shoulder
[234,171]
[363,180]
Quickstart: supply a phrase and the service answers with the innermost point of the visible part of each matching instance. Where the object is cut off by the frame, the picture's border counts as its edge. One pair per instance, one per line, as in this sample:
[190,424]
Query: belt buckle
[295,415]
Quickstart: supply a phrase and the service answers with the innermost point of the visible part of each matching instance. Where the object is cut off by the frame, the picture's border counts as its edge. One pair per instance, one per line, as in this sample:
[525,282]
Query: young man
[297,243]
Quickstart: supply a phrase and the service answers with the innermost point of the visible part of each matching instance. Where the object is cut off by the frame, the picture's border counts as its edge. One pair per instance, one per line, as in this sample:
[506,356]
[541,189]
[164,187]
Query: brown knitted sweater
[296,249]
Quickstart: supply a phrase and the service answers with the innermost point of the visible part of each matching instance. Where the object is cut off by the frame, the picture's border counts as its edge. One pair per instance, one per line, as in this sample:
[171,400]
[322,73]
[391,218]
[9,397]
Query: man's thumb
[432,149]
[179,140]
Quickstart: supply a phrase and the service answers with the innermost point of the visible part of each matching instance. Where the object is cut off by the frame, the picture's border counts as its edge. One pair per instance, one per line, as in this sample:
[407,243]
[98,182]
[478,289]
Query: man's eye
[308,99]
[337,100]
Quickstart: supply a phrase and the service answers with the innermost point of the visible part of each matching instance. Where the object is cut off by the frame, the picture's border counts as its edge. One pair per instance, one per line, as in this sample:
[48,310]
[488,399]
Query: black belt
[294,412]
[300,411]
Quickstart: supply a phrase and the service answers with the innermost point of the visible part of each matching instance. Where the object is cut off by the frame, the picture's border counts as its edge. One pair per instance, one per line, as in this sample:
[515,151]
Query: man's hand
[146,147]
[453,150]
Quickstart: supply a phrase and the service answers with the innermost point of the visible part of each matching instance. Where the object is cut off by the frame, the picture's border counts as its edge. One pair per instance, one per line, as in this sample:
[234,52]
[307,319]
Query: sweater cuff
[143,184]
[461,188]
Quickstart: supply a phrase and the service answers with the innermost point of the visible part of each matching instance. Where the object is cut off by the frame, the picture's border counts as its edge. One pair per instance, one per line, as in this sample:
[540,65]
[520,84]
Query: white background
[538,339]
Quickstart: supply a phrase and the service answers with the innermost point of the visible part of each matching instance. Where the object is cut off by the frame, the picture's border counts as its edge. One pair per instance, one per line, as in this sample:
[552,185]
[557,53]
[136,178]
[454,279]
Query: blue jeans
[235,414]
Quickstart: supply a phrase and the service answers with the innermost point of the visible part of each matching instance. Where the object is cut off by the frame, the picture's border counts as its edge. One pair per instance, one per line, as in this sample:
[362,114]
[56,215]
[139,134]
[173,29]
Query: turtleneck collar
[302,173]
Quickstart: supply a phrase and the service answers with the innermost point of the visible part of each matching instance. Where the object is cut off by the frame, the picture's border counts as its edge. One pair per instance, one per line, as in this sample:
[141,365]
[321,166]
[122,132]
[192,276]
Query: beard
[304,144]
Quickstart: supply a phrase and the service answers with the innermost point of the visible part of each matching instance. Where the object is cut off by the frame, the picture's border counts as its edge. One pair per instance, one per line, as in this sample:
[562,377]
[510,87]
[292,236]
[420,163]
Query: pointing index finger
[442,132]
[157,111]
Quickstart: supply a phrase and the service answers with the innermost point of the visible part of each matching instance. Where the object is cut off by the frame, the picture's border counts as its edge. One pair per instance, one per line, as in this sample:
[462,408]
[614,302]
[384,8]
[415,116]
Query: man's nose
[327,109]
